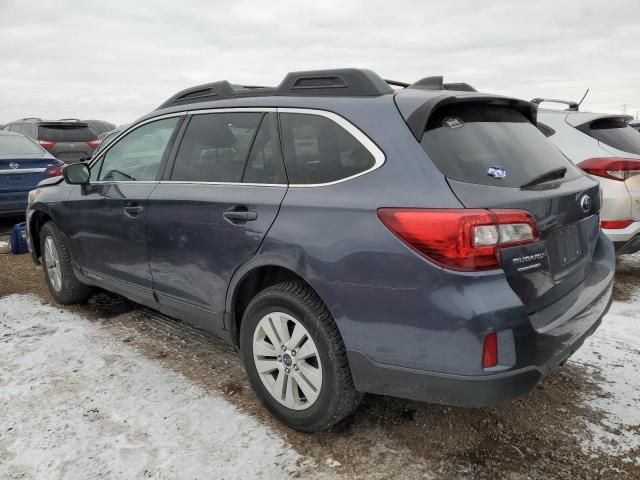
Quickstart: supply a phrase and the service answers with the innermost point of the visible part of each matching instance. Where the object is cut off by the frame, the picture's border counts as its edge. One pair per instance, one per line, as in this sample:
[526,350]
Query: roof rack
[572,106]
[334,82]
[37,119]
[69,120]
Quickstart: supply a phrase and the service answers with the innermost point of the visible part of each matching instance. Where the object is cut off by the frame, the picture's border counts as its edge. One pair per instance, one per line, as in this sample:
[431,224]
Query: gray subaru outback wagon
[424,241]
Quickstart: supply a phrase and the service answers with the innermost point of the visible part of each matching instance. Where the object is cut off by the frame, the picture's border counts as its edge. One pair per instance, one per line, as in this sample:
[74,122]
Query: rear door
[213,208]
[490,155]
[70,142]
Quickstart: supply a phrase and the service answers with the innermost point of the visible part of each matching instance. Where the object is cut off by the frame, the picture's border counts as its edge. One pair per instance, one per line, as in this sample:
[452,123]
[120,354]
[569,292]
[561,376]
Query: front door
[106,224]
[209,216]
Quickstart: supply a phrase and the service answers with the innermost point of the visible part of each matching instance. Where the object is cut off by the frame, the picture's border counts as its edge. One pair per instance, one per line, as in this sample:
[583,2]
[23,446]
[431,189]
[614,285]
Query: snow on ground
[613,354]
[79,404]
[4,245]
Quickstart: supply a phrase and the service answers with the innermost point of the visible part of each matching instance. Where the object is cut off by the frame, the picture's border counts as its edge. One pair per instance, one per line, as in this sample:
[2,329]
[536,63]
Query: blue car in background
[23,163]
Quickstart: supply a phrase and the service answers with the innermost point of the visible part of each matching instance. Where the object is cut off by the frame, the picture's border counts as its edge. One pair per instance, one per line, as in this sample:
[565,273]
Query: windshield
[490,145]
[18,145]
[614,132]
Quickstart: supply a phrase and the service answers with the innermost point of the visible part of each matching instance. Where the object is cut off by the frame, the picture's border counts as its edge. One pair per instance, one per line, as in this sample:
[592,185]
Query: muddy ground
[541,436]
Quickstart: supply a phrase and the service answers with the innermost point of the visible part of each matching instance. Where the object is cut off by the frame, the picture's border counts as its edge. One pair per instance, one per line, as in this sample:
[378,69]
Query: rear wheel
[295,358]
[58,272]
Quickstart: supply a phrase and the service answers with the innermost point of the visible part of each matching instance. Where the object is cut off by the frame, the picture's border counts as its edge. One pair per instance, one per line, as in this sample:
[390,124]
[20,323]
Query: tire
[65,289]
[326,402]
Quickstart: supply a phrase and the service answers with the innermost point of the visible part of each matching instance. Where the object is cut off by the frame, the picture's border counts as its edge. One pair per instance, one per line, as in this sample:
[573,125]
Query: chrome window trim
[24,170]
[359,135]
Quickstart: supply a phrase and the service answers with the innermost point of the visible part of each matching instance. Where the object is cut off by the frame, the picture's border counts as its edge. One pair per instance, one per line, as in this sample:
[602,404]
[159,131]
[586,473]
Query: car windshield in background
[18,145]
[66,133]
[614,132]
[490,145]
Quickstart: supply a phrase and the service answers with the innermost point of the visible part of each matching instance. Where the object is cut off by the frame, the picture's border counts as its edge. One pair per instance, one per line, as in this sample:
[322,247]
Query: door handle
[240,215]
[133,210]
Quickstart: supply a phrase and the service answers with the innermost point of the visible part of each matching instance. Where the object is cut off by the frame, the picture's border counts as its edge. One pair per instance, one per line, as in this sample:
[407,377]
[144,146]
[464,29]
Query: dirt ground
[541,436]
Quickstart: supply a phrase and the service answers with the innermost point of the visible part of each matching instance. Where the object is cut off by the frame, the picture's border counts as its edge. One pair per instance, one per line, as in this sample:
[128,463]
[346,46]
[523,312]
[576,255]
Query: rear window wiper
[545,177]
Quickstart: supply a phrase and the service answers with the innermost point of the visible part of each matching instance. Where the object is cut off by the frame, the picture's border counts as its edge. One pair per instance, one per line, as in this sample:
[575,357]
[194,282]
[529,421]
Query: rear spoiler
[419,119]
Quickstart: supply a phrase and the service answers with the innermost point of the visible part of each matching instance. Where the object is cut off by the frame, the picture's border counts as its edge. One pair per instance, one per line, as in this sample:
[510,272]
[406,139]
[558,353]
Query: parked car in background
[23,163]
[635,125]
[68,140]
[424,243]
[100,126]
[605,146]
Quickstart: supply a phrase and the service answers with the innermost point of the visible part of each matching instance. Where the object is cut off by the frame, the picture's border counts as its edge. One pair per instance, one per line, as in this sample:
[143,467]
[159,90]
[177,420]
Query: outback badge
[497,172]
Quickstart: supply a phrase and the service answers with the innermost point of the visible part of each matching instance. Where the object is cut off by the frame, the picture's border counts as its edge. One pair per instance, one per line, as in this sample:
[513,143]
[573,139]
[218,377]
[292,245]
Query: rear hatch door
[70,142]
[494,157]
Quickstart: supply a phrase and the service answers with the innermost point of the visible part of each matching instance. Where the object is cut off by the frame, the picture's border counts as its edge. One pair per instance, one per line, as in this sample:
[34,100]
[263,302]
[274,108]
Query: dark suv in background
[349,237]
[69,140]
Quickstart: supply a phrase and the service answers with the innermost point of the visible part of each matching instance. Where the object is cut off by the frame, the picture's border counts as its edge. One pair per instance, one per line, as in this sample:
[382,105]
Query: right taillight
[615,224]
[613,168]
[461,239]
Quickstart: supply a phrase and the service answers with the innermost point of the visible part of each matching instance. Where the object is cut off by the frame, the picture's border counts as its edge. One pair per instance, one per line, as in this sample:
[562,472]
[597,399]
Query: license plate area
[569,245]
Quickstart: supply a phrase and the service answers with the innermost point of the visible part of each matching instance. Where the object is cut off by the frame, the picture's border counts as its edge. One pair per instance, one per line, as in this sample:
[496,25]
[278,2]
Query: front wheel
[58,272]
[295,358]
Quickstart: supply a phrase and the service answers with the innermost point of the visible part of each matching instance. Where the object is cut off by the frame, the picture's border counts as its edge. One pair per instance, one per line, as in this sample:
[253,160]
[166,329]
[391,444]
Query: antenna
[583,97]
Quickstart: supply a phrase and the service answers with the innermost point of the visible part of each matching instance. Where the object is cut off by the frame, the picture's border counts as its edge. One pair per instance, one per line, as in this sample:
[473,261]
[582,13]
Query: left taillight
[53,171]
[94,143]
[613,168]
[461,239]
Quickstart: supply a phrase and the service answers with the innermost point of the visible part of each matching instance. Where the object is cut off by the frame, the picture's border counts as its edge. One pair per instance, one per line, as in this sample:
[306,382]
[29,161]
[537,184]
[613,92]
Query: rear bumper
[625,240]
[552,336]
[11,209]
[465,390]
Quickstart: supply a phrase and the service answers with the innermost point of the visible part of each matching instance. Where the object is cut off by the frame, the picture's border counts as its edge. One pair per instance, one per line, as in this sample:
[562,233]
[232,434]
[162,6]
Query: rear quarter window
[318,150]
[467,141]
[66,133]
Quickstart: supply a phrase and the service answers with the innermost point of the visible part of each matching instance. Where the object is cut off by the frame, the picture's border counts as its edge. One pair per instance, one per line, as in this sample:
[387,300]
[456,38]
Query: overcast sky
[116,60]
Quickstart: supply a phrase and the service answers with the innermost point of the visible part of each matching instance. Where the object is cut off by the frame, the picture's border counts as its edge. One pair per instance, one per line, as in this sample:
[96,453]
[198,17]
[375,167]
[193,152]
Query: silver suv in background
[604,145]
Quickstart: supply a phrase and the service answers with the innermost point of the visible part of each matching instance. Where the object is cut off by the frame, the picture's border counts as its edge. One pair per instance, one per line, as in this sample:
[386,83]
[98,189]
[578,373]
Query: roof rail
[333,82]
[572,106]
[37,119]
[69,120]
[437,83]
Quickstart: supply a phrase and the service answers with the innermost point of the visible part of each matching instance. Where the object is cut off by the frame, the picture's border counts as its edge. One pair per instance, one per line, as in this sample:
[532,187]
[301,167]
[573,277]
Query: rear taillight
[490,351]
[53,172]
[48,144]
[615,224]
[613,168]
[94,143]
[461,239]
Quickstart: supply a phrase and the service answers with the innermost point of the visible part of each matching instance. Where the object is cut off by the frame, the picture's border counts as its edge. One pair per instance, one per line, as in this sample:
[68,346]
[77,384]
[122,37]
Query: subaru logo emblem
[586,203]
[497,172]
[14,165]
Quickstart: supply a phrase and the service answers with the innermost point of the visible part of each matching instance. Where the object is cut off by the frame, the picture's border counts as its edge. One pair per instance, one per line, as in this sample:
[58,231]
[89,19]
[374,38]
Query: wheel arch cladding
[253,282]
[37,221]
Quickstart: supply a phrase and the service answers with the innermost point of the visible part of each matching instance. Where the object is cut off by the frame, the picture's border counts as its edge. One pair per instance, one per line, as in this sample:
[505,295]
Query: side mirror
[76,174]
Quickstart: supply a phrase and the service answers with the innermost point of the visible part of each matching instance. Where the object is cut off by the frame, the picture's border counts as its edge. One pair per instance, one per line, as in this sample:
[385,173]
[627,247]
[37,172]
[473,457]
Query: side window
[215,147]
[138,155]
[318,150]
[265,163]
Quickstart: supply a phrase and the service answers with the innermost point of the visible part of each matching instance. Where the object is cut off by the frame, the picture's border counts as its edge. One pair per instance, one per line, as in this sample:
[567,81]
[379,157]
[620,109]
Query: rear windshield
[66,133]
[614,132]
[490,145]
[18,145]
